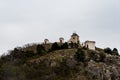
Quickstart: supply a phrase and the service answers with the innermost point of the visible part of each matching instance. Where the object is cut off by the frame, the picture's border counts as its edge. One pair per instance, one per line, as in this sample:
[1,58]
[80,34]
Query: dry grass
[56,55]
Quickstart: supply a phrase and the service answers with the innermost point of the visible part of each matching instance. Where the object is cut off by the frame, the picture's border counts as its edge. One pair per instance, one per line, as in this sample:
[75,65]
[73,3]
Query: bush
[64,46]
[55,46]
[73,45]
[108,50]
[112,52]
[17,54]
[94,56]
[115,51]
[102,57]
[40,49]
[80,55]
[63,69]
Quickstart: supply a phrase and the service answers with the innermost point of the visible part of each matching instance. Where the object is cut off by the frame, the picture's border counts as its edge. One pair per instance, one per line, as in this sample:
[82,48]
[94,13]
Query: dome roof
[74,34]
[46,40]
[61,38]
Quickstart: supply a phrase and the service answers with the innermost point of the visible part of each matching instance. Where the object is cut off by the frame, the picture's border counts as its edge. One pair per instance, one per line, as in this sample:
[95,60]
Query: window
[87,46]
[73,37]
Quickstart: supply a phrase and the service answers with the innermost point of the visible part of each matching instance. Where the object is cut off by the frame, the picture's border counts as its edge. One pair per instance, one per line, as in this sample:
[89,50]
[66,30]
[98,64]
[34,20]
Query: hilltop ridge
[61,61]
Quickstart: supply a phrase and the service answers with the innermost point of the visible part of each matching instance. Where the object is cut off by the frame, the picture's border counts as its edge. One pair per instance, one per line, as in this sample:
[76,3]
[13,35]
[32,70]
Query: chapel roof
[75,34]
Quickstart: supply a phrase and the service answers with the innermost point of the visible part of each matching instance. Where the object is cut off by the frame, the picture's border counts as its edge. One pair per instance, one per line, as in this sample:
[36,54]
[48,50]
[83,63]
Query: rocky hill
[60,63]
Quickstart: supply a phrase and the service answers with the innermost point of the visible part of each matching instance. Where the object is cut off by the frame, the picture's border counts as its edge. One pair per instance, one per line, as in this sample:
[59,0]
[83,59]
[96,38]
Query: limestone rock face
[90,70]
[104,71]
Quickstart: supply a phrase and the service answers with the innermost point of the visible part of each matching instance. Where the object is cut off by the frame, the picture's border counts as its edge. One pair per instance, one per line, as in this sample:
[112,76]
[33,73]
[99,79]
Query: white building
[61,40]
[74,38]
[46,41]
[90,45]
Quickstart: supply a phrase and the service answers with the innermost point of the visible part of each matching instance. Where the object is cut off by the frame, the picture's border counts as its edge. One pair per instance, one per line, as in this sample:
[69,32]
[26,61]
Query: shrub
[64,46]
[115,51]
[73,45]
[55,46]
[108,50]
[40,49]
[63,69]
[102,57]
[94,56]
[80,55]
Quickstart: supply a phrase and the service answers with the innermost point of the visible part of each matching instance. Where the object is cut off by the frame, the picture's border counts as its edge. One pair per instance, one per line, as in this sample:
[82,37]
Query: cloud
[27,21]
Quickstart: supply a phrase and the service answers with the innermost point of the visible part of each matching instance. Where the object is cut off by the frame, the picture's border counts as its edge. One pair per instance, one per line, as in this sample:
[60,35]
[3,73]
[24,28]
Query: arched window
[87,45]
[73,37]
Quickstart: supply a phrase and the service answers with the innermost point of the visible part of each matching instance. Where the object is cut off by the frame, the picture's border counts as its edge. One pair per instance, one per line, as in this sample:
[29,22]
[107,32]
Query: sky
[31,21]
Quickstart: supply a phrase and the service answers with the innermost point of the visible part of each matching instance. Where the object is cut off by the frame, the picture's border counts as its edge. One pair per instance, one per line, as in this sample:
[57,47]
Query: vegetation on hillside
[60,63]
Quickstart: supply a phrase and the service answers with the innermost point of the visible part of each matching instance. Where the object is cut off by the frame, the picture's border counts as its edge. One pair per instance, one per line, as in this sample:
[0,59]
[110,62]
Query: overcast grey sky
[28,21]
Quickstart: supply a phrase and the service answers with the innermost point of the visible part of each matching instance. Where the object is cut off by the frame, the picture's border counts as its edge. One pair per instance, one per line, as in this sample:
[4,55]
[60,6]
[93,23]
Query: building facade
[90,45]
[61,39]
[46,41]
[74,39]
